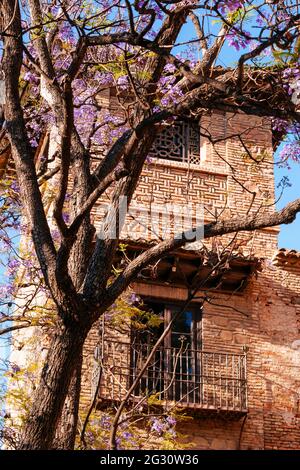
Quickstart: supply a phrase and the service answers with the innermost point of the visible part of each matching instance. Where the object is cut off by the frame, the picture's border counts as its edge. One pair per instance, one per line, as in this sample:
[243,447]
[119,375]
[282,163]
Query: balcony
[211,383]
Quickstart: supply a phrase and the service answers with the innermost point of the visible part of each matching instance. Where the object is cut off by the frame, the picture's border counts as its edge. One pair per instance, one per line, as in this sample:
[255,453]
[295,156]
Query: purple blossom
[118,443]
[171,420]
[166,81]
[133,299]
[156,109]
[55,10]
[169,68]
[55,235]
[230,6]
[6,291]
[15,186]
[105,422]
[172,97]
[158,426]
[290,151]
[291,73]
[66,34]
[66,217]
[280,125]
[104,79]
[286,128]
[262,17]
[282,16]
[260,20]
[149,4]
[33,142]
[13,264]
[31,77]
[123,82]
[237,41]
[15,368]
[90,436]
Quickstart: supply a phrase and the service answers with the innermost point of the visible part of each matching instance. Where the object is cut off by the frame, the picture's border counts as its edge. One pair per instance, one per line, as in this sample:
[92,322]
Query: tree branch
[65,155]
[21,150]
[221,227]
[43,51]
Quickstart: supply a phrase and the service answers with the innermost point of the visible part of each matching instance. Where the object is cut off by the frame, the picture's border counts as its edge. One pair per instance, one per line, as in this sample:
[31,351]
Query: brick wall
[265,318]
[235,177]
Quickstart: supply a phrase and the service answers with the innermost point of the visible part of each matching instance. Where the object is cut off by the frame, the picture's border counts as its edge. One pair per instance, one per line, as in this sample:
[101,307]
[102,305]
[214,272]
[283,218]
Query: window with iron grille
[179,142]
[174,372]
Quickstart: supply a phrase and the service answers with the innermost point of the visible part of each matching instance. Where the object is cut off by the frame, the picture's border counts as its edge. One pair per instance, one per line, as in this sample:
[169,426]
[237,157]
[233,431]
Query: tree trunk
[64,355]
[67,427]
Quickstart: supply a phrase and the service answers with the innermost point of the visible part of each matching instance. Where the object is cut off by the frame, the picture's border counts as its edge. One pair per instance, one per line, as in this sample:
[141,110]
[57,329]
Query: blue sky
[289,234]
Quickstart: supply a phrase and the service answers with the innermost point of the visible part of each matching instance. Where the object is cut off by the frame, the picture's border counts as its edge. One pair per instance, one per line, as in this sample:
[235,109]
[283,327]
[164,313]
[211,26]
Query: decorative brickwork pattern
[264,320]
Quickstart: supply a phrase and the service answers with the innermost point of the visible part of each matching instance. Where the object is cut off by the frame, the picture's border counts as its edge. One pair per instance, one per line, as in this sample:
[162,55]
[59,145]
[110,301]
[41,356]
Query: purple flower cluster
[291,73]
[280,125]
[100,126]
[169,68]
[291,79]
[286,127]
[15,368]
[66,34]
[123,82]
[158,426]
[6,291]
[238,41]
[31,77]
[172,96]
[161,426]
[125,438]
[230,6]
[133,299]
[290,151]
[263,16]
[171,420]
[105,421]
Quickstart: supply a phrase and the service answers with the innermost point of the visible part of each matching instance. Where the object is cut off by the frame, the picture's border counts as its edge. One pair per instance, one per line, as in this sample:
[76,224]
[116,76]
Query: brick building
[232,357]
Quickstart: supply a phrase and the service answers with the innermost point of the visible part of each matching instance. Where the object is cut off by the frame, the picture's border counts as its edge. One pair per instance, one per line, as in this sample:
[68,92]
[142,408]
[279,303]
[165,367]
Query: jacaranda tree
[57,58]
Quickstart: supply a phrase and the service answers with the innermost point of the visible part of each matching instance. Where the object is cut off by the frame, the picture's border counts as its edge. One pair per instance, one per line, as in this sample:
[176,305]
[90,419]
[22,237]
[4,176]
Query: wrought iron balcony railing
[183,376]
